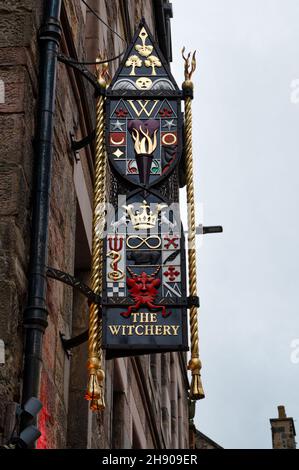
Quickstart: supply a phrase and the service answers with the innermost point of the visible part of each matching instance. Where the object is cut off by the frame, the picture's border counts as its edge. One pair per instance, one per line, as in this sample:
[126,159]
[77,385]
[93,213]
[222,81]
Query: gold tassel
[196,390]
[95,387]
[95,393]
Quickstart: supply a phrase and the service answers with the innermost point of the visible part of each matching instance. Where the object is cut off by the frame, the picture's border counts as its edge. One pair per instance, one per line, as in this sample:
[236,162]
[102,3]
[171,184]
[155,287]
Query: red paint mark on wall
[44,415]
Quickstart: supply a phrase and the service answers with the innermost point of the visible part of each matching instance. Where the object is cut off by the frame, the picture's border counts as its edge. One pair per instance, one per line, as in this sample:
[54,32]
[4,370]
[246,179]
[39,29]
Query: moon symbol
[117,142]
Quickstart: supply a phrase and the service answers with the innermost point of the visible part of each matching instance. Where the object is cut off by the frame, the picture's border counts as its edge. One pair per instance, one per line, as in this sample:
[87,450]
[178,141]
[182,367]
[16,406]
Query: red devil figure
[143,288]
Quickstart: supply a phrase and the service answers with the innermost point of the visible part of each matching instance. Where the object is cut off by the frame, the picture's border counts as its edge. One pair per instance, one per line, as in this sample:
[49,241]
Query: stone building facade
[146,396]
[204,442]
[283,430]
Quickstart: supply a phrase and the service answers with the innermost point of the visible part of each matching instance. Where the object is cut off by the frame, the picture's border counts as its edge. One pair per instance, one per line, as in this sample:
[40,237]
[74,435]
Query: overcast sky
[246,132]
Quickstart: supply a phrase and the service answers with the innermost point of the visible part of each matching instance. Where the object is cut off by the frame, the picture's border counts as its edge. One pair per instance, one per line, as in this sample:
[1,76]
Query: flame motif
[102,69]
[146,144]
[189,66]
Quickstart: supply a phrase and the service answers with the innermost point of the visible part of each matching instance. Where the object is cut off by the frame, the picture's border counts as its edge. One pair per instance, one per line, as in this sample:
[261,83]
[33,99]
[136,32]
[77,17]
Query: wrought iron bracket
[193,301]
[71,343]
[210,229]
[75,283]
[80,144]
[201,230]
[84,71]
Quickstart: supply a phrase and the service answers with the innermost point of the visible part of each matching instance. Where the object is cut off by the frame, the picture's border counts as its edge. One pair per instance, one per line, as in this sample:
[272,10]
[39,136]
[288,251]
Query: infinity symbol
[144,241]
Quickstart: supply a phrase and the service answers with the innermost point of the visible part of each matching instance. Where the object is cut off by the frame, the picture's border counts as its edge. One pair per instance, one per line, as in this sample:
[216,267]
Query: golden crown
[143,218]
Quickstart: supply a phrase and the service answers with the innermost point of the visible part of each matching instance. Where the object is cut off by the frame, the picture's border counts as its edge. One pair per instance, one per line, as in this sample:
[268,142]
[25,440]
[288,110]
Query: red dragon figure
[143,288]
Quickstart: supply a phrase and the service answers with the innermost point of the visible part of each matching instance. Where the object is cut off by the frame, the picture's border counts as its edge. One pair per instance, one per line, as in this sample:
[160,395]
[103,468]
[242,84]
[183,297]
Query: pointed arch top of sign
[143,69]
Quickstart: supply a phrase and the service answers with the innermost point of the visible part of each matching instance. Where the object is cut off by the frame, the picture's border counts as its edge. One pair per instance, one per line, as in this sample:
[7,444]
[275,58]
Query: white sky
[246,132]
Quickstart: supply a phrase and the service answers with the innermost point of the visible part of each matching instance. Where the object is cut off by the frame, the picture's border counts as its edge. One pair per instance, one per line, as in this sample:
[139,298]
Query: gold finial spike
[190,67]
[103,74]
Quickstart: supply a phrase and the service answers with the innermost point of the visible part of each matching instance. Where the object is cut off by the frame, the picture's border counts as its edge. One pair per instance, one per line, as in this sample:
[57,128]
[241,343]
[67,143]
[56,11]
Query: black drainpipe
[35,314]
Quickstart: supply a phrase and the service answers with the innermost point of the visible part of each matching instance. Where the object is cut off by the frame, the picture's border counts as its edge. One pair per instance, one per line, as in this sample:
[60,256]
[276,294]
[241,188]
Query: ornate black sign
[144,295]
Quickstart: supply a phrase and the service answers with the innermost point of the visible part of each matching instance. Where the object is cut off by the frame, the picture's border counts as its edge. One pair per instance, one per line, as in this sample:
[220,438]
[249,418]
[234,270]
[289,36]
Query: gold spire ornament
[95,386]
[194,365]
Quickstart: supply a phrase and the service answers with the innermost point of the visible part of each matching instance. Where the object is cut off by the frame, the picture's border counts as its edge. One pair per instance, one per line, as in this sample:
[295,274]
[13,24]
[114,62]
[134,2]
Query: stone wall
[19,21]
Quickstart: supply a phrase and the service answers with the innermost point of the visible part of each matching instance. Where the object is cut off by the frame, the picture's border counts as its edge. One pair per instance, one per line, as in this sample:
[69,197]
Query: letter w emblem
[144,106]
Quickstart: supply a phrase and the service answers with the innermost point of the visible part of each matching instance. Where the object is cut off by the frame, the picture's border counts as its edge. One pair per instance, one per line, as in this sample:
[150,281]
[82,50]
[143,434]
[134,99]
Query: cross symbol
[172,273]
[171,241]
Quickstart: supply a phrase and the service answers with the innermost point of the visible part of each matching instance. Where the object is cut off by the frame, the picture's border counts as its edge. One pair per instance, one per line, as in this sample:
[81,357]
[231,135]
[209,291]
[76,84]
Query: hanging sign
[144,280]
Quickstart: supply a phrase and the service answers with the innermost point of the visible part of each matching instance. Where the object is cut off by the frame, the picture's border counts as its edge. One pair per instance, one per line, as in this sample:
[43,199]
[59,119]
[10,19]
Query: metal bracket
[75,283]
[71,343]
[210,229]
[80,68]
[188,93]
[201,230]
[193,301]
[79,144]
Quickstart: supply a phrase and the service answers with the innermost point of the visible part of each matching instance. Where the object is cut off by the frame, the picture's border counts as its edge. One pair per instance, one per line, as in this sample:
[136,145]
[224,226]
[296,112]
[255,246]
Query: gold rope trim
[196,389]
[95,386]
